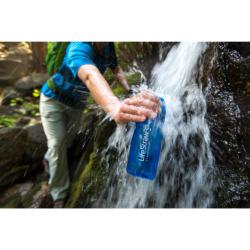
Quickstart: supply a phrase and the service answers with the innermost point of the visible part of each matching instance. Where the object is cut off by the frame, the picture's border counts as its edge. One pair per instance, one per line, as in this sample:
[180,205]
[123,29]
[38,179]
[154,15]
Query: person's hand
[137,108]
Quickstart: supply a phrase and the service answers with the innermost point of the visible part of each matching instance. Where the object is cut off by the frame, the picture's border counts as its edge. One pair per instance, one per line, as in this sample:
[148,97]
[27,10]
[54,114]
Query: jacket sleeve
[77,55]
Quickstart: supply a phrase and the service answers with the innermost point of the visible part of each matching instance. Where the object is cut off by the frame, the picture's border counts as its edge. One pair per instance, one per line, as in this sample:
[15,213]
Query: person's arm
[137,108]
[118,71]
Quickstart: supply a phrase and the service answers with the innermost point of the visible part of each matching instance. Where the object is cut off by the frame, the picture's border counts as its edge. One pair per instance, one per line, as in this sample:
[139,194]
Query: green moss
[118,91]
[134,78]
[77,186]
[109,75]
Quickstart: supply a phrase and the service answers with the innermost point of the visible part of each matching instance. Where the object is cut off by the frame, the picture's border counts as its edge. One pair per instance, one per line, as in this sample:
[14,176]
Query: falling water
[185,173]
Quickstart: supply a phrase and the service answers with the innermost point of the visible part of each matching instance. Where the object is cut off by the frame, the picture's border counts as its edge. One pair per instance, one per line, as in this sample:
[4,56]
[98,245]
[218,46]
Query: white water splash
[186,163]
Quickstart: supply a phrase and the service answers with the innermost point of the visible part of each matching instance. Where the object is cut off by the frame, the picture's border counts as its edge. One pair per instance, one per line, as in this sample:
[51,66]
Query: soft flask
[145,146]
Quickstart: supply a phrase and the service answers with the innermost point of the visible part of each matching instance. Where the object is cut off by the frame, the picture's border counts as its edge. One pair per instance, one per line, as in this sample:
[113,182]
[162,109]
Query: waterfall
[185,172]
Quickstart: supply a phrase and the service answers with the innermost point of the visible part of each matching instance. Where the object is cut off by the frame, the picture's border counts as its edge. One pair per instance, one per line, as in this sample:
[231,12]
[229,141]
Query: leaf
[36,93]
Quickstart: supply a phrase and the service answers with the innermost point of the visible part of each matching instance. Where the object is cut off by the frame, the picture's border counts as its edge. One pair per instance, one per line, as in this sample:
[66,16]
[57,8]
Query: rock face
[228,106]
[21,152]
[36,143]
[15,62]
[140,55]
[12,145]
[26,84]
[91,173]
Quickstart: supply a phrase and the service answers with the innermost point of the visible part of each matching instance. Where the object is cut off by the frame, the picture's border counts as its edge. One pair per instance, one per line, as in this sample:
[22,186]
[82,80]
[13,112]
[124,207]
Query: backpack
[55,55]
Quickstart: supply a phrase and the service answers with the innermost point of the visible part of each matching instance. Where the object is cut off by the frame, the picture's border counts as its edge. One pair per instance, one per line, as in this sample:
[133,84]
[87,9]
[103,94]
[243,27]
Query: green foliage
[29,109]
[134,78]
[8,120]
[36,93]
[22,107]
[55,55]
[16,101]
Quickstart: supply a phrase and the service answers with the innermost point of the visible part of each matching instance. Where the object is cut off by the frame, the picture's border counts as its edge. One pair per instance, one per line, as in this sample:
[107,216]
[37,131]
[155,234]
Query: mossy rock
[91,171]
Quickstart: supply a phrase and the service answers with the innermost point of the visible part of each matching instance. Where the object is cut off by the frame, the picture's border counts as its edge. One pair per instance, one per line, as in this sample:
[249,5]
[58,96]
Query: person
[64,96]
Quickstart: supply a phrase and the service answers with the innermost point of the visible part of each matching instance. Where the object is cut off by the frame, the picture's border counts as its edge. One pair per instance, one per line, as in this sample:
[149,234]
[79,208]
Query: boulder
[242,47]
[36,143]
[228,107]
[23,121]
[15,61]
[7,94]
[11,69]
[12,150]
[26,84]
[21,152]
[12,146]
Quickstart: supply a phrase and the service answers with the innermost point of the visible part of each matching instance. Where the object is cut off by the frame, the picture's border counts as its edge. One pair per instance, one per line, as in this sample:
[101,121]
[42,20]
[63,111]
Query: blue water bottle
[145,147]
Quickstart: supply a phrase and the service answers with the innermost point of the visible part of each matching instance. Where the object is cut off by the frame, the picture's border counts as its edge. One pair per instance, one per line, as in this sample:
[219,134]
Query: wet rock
[36,143]
[140,55]
[36,134]
[26,84]
[237,75]
[91,173]
[228,105]
[242,47]
[12,147]
[234,193]
[21,152]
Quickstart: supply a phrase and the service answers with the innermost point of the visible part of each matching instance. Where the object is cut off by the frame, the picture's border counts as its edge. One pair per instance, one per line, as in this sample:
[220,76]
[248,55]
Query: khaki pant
[61,123]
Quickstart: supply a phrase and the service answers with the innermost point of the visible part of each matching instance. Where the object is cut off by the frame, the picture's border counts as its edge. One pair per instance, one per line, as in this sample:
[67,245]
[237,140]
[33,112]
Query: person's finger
[138,101]
[125,117]
[142,102]
[149,95]
[138,110]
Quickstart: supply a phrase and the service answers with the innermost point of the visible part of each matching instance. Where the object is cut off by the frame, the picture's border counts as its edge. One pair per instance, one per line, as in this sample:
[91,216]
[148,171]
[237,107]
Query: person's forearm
[121,77]
[137,108]
[99,88]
